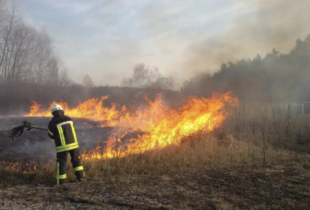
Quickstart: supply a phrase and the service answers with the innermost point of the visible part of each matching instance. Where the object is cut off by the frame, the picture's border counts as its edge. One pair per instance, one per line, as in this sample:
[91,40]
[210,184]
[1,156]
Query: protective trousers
[62,162]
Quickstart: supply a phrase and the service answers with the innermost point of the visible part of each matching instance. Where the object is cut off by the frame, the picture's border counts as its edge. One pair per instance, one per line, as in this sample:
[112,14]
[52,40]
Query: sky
[106,39]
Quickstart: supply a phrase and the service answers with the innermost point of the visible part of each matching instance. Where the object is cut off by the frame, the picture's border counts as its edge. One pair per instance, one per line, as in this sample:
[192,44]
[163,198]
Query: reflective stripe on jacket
[62,130]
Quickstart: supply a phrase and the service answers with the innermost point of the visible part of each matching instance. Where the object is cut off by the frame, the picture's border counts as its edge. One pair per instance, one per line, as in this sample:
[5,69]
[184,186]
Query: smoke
[182,38]
[38,149]
[263,25]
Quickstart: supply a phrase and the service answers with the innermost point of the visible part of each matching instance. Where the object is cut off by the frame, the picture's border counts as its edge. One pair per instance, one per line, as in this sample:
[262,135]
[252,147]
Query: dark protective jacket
[61,129]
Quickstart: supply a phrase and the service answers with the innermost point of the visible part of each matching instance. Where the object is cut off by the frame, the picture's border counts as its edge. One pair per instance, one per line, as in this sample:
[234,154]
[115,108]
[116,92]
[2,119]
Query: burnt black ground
[34,149]
[37,143]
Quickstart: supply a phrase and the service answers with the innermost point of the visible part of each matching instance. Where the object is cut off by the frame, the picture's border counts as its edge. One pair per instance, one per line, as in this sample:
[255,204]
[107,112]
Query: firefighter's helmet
[56,107]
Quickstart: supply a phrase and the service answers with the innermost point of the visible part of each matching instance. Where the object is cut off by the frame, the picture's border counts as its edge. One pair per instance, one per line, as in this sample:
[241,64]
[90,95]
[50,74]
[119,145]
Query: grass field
[247,163]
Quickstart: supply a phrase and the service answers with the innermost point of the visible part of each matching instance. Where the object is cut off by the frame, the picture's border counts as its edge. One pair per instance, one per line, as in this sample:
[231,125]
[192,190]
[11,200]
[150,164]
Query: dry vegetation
[248,163]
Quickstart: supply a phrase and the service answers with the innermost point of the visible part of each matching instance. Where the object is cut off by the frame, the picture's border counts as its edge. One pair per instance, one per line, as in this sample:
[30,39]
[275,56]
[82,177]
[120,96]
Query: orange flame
[91,109]
[21,167]
[158,126]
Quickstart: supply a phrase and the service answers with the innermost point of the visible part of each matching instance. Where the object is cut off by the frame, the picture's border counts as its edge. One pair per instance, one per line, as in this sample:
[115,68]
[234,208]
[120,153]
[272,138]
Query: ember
[20,167]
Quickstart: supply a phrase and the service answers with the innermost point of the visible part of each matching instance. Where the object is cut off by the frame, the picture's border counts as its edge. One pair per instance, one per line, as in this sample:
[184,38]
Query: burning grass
[196,153]
[160,126]
[200,135]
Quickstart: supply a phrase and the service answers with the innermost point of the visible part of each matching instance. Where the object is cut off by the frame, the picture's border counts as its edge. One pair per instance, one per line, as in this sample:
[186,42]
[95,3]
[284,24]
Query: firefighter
[61,129]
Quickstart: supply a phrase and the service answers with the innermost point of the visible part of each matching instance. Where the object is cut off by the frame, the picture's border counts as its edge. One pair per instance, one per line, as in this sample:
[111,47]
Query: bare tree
[145,77]
[88,84]
[27,55]
[64,77]
[87,81]
[140,74]
[40,61]
[165,82]
[7,21]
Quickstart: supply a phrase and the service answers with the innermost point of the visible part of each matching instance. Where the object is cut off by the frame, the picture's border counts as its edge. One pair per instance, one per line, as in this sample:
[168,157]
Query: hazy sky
[107,38]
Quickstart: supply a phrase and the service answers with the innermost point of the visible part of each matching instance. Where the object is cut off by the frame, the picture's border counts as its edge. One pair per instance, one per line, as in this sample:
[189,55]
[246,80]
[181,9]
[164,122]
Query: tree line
[276,77]
[28,61]
[31,70]
[145,77]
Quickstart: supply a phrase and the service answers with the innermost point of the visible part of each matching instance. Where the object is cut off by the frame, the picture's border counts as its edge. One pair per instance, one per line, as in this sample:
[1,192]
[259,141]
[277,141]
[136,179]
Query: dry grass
[242,143]
[289,132]
[196,153]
